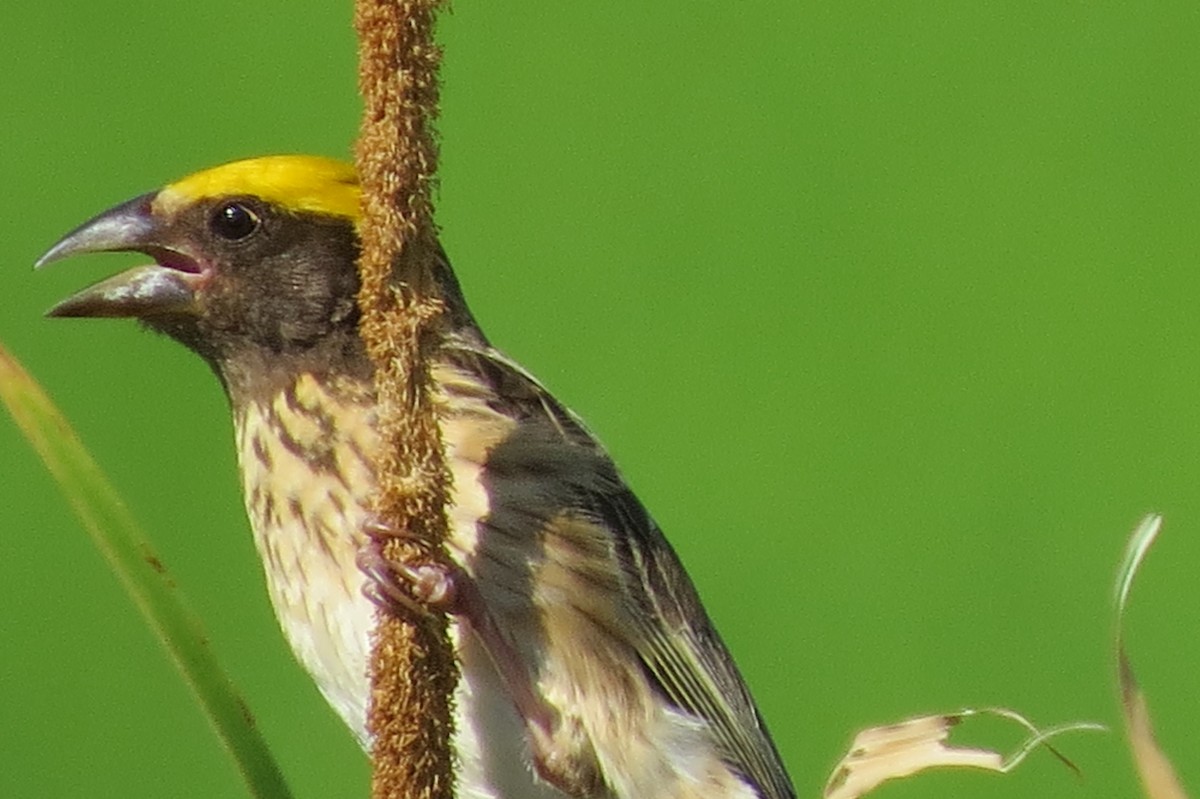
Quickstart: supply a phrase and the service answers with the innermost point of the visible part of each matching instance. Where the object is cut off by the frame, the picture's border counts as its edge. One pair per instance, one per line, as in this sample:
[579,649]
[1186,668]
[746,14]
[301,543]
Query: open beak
[166,287]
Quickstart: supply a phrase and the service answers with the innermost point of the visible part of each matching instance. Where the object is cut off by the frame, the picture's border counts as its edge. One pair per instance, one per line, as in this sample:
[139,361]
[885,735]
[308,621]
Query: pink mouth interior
[174,260]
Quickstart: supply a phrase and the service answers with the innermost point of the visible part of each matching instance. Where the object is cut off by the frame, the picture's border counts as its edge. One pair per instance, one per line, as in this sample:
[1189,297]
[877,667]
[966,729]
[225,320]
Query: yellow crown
[295,182]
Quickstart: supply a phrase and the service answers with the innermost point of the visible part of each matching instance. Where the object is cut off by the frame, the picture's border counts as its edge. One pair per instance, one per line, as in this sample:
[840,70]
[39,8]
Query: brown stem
[413,672]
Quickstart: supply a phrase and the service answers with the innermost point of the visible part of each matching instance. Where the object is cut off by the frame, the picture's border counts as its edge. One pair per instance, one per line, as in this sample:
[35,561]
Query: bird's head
[258,253]
[255,263]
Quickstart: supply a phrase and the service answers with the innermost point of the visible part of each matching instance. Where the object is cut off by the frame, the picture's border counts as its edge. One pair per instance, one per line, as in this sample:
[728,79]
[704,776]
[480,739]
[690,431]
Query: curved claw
[447,588]
[421,589]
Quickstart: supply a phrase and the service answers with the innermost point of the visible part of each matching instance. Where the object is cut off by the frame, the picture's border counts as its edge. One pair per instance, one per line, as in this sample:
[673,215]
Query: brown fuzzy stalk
[413,672]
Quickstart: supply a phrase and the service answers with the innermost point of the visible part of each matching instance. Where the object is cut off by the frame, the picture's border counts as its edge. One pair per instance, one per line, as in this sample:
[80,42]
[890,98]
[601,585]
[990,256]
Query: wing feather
[682,654]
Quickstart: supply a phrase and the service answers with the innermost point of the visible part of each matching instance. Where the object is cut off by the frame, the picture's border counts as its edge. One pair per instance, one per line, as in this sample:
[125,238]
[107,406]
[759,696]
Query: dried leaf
[880,754]
[1159,780]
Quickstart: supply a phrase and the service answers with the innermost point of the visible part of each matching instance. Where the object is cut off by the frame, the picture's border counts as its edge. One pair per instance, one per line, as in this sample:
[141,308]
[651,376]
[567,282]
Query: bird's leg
[447,588]
[424,589]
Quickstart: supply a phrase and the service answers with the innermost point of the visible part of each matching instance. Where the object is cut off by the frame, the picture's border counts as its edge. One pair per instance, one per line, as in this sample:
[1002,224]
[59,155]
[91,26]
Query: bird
[590,667]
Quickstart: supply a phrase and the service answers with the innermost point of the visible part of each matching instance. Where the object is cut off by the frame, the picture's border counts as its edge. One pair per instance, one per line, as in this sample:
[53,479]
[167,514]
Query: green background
[887,311]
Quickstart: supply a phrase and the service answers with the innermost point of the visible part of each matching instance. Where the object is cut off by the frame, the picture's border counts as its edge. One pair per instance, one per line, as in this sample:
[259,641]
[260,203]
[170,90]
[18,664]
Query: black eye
[233,221]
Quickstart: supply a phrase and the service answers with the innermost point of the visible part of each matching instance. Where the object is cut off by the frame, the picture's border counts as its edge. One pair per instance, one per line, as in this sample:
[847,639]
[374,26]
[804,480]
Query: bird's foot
[424,589]
[446,588]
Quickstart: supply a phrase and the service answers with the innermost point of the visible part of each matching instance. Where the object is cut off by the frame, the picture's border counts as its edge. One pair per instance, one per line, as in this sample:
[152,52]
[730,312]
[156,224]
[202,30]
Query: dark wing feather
[682,653]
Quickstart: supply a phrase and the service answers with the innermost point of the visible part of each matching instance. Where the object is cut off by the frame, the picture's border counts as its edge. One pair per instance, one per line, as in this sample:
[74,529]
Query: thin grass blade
[118,537]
